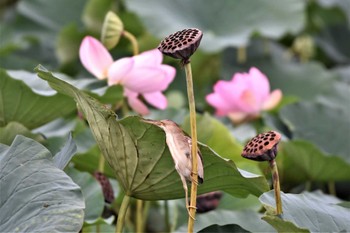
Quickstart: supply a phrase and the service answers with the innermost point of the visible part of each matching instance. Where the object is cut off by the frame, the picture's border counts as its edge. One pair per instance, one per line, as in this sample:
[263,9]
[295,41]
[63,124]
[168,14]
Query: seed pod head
[262,147]
[181,44]
[112,30]
[107,189]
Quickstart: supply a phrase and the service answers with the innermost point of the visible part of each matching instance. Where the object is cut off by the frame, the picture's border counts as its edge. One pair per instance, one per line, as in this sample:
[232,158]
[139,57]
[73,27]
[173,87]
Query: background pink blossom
[246,95]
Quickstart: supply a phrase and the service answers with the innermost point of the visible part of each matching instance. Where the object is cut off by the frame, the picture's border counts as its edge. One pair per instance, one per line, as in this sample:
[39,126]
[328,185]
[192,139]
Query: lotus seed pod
[107,189]
[181,44]
[112,30]
[262,147]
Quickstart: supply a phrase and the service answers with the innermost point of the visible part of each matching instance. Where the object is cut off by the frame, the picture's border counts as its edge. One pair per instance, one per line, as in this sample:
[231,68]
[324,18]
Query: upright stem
[139,212]
[133,41]
[276,186]
[122,213]
[101,164]
[192,107]
[166,216]
[331,188]
[241,55]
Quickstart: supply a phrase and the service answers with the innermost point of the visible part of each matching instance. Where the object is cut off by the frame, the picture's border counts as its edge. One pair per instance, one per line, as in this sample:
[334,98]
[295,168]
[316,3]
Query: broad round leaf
[246,219]
[35,195]
[234,21]
[326,126]
[301,161]
[31,106]
[316,212]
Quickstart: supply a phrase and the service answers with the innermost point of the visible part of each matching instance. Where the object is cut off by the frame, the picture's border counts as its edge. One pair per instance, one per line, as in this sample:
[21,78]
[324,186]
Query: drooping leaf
[233,24]
[30,106]
[315,212]
[301,161]
[35,195]
[138,154]
[62,158]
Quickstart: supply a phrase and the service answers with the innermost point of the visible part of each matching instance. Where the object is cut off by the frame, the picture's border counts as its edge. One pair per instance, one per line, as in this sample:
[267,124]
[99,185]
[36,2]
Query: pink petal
[273,100]
[221,105]
[149,58]
[238,117]
[135,103]
[119,70]
[250,102]
[95,57]
[259,84]
[145,80]
[156,99]
[232,93]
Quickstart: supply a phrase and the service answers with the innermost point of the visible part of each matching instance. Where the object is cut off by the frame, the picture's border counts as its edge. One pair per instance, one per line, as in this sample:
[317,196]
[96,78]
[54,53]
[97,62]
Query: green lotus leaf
[139,156]
[315,212]
[35,195]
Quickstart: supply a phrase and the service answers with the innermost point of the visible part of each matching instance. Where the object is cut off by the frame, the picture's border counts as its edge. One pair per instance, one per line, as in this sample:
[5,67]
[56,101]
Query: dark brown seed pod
[262,147]
[181,44]
[106,186]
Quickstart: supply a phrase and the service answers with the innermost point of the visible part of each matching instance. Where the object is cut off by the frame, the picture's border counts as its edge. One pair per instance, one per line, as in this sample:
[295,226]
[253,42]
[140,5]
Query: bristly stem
[101,164]
[276,186]
[121,214]
[132,39]
[139,215]
[192,107]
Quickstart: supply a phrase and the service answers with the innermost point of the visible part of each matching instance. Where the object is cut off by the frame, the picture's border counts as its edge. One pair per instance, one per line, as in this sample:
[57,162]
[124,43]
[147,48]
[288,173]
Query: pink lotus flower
[245,96]
[143,74]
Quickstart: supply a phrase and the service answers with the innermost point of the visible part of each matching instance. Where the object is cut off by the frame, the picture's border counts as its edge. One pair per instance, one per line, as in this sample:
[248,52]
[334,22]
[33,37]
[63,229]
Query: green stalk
[133,41]
[146,206]
[192,107]
[166,216]
[276,186]
[139,215]
[331,188]
[121,214]
[101,164]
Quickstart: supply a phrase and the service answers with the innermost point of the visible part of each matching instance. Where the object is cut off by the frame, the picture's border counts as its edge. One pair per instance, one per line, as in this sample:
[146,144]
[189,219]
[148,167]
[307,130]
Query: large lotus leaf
[35,196]
[42,13]
[246,219]
[301,161]
[325,125]
[315,211]
[235,21]
[138,154]
[31,106]
[12,129]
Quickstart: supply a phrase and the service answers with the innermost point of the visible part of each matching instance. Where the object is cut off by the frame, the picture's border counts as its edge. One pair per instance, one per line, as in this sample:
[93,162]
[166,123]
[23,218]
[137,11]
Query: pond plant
[109,130]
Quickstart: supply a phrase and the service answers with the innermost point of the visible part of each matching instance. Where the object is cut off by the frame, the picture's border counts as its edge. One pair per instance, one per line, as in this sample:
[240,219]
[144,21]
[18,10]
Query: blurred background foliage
[302,46]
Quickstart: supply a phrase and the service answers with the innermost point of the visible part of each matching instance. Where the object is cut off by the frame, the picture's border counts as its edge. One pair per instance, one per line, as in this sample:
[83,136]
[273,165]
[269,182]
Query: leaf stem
[331,188]
[121,214]
[192,107]
[133,41]
[276,186]
[139,214]
[166,216]
[101,163]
